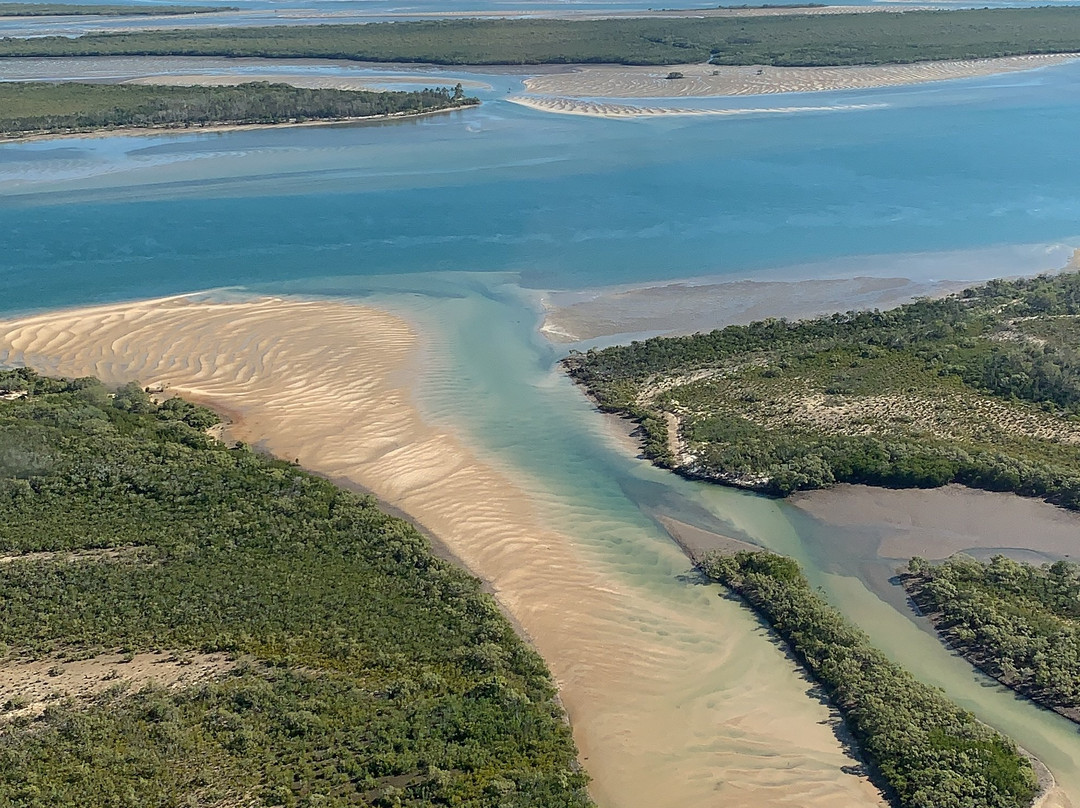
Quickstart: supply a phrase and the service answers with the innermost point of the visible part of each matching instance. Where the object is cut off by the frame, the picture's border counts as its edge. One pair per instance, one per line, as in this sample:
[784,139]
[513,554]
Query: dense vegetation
[1019,623]
[981,388]
[73,9]
[931,753]
[828,39]
[37,107]
[372,673]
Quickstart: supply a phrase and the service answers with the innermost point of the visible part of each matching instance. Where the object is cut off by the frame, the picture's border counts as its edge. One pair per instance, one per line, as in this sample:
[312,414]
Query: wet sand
[670,705]
[686,308]
[577,91]
[939,522]
[609,109]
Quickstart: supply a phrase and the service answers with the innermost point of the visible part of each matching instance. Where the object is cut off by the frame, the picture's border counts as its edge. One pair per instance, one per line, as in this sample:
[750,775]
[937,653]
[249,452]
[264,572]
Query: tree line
[1018,622]
[370,672]
[1009,344]
[927,751]
[39,107]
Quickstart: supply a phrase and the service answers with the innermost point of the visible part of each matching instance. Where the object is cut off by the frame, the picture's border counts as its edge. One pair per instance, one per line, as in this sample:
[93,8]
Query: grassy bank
[926,750]
[1018,623]
[981,388]
[37,108]
[839,39]
[78,10]
[363,671]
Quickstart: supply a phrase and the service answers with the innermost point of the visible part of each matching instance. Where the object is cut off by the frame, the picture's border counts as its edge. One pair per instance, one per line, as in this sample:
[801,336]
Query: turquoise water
[454,219]
[565,201]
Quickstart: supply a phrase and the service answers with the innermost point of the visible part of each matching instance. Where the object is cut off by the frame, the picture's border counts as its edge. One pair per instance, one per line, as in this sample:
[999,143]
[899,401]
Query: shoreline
[328,383]
[216,128]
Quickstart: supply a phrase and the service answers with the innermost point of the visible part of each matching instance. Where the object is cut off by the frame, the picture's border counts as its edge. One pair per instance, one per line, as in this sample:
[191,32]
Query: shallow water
[453,220]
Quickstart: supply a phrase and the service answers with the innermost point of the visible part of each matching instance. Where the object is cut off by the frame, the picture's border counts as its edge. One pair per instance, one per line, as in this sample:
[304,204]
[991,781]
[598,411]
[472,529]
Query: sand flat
[936,523]
[669,706]
[703,81]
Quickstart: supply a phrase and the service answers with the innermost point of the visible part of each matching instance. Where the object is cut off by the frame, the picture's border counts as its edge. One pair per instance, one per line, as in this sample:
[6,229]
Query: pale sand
[686,308]
[30,686]
[670,706]
[702,80]
[938,522]
[607,109]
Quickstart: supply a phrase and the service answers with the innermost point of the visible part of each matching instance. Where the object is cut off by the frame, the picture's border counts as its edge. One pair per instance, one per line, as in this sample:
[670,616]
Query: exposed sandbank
[685,308]
[670,705]
[702,80]
[609,109]
[939,522]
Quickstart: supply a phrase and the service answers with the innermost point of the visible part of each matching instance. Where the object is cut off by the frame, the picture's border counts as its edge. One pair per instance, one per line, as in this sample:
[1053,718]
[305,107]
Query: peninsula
[980,388]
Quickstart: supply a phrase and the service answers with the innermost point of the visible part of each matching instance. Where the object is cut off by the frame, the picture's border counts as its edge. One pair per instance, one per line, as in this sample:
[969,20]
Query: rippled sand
[612,82]
[671,705]
[609,109]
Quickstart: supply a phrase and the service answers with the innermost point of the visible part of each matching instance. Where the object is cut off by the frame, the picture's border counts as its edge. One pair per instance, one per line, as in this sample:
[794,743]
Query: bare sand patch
[71,556]
[27,687]
[703,80]
[670,706]
[689,307]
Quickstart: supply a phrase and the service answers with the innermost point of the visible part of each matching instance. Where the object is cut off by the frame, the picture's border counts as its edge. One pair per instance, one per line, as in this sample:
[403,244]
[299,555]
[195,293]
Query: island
[185,619]
[39,108]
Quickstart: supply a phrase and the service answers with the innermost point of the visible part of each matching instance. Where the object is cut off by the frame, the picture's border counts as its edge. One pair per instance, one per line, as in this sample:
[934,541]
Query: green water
[527,415]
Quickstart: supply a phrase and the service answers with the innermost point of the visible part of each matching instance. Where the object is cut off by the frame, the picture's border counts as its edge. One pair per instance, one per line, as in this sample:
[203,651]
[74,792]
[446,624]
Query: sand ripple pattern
[583,86]
[670,705]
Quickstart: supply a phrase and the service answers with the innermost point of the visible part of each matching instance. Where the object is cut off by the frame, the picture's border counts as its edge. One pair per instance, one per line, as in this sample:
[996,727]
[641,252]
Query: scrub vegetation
[927,750]
[980,388]
[364,672]
[1019,623]
[81,10]
[829,39]
[40,108]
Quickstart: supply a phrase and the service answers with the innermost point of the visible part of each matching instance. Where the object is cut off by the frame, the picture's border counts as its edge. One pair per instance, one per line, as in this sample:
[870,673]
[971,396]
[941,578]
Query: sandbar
[670,705]
[703,80]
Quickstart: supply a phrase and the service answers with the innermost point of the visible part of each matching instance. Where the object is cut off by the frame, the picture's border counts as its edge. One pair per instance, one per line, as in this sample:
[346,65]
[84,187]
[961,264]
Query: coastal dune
[670,705]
